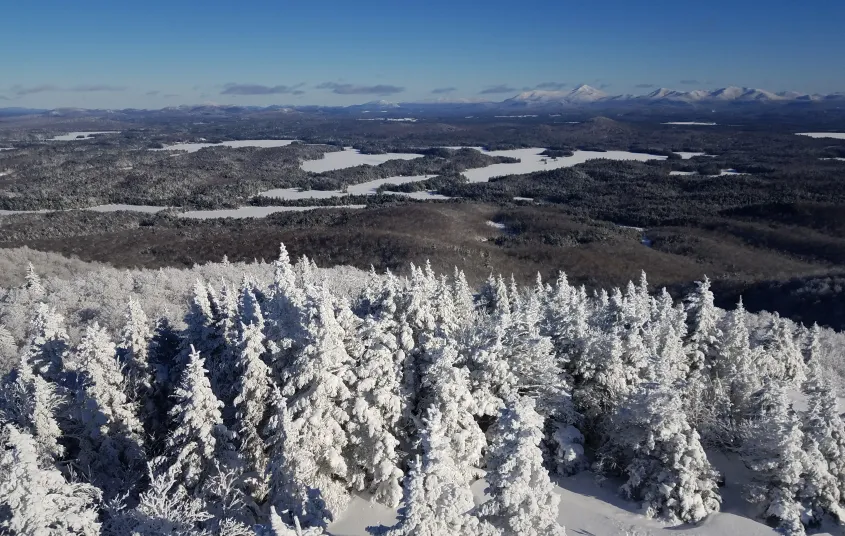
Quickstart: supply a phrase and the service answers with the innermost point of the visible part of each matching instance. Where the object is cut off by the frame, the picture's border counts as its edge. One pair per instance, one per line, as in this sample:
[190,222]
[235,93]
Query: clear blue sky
[154,53]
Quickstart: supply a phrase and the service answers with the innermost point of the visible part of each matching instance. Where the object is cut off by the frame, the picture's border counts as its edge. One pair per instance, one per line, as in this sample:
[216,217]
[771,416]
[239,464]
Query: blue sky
[151,54]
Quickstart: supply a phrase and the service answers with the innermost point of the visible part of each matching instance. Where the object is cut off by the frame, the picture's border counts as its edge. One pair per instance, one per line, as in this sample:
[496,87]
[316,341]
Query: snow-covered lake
[150,209]
[365,188]
[531,161]
[6,148]
[350,157]
[86,135]
[194,147]
[253,212]
[834,158]
[690,123]
[834,135]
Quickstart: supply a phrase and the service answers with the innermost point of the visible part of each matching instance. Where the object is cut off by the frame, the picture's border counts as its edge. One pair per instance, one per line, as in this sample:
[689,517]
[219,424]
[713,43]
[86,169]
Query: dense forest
[181,402]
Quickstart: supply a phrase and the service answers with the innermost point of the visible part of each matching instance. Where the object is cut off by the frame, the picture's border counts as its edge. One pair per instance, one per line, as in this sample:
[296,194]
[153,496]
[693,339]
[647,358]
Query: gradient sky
[151,54]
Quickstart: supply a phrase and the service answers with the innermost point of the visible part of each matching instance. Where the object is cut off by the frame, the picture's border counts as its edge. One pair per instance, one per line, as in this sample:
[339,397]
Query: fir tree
[196,428]
[33,283]
[133,350]
[523,500]
[36,498]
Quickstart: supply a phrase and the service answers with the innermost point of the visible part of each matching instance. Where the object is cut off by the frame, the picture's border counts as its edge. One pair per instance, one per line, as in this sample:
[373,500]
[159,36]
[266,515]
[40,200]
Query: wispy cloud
[31,90]
[555,86]
[690,82]
[645,86]
[441,90]
[351,89]
[97,87]
[152,93]
[604,86]
[169,95]
[258,89]
[501,88]
[3,97]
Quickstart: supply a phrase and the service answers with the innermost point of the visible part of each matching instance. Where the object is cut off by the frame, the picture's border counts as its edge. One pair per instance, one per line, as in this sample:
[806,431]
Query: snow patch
[690,123]
[500,226]
[676,173]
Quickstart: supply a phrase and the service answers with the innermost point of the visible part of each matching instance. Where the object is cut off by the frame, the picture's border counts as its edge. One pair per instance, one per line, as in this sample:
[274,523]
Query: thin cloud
[170,95]
[501,88]
[3,97]
[97,87]
[555,86]
[690,82]
[152,93]
[257,89]
[441,90]
[645,86]
[604,86]
[297,92]
[351,89]
[21,91]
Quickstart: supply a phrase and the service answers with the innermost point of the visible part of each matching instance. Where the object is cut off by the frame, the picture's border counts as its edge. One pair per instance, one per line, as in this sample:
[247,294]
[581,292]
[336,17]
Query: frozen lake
[365,188]
[834,135]
[253,212]
[532,161]
[690,124]
[86,135]
[350,157]
[194,147]
[149,209]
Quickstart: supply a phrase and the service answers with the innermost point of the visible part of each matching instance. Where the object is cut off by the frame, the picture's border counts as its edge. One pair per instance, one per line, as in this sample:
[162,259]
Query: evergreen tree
[774,451]
[8,346]
[376,413]
[785,361]
[110,431]
[252,385]
[31,403]
[33,283]
[133,350]
[523,500]
[437,500]
[703,326]
[661,456]
[317,387]
[36,498]
[196,428]
[446,388]
[47,345]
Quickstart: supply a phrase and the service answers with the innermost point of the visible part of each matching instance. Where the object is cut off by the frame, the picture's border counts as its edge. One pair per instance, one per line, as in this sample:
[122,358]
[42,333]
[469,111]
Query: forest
[181,401]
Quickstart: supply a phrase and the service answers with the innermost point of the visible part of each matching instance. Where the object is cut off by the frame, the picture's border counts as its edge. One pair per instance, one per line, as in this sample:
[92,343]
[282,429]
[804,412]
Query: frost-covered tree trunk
[36,498]
[523,500]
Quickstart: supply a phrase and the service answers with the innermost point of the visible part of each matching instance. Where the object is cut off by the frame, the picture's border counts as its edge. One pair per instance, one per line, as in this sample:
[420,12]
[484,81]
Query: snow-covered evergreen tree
[785,362]
[523,500]
[32,404]
[317,387]
[8,346]
[774,451]
[437,500]
[133,350]
[703,326]
[109,428]
[252,385]
[36,498]
[196,428]
[446,388]
[33,283]
[376,413]
[47,345]
[661,456]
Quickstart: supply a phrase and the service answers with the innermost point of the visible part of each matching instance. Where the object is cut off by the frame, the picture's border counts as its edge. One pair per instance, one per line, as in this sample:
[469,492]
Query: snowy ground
[682,173]
[194,147]
[87,135]
[835,158]
[590,509]
[834,135]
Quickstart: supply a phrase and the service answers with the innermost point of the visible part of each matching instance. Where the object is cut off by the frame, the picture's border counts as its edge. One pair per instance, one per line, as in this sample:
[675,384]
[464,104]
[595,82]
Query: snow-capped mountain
[580,95]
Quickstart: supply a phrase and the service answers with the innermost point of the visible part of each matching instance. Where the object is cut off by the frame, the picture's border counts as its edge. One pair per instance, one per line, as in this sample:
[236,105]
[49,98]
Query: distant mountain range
[581,97]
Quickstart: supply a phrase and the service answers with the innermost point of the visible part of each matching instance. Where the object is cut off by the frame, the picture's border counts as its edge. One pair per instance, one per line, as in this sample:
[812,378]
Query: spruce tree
[36,498]
[133,350]
[523,500]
